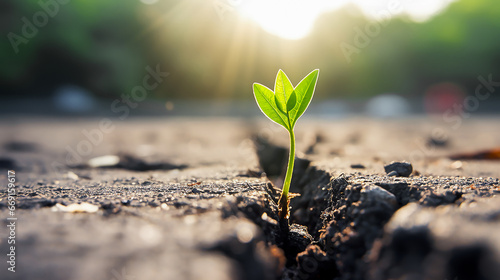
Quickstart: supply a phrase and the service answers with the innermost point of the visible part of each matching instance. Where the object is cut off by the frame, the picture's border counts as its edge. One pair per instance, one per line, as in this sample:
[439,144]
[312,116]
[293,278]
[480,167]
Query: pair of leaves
[286,104]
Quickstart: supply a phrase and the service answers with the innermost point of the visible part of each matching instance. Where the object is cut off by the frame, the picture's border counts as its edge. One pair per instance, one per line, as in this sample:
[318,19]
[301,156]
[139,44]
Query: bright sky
[294,19]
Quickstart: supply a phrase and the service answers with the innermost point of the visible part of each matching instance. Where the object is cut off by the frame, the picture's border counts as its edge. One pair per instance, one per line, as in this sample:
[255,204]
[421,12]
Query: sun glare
[294,19]
[291,20]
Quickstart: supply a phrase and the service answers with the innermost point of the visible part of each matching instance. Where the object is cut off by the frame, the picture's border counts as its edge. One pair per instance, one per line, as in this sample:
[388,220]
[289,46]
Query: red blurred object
[443,97]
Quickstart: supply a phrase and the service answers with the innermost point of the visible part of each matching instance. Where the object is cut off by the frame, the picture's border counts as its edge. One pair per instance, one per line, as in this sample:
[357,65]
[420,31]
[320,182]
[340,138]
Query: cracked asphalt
[186,198]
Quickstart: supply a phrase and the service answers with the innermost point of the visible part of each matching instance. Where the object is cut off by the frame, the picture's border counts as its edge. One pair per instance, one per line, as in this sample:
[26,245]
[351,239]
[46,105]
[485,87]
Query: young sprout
[284,106]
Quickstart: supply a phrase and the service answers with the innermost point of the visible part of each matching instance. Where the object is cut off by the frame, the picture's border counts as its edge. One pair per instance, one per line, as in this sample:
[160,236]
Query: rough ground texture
[189,199]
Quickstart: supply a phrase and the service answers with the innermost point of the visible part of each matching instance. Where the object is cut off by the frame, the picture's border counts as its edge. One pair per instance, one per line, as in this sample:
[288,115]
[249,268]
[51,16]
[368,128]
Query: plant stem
[284,200]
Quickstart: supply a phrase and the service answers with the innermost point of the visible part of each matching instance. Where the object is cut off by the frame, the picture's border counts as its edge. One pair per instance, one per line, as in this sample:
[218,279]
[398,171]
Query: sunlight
[294,20]
[291,20]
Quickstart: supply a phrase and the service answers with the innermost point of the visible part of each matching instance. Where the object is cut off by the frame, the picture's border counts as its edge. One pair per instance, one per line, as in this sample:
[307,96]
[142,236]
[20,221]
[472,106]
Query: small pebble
[403,168]
[104,161]
[456,165]
[164,206]
[358,166]
[376,193]
[72,175]
[195,190]
[153,204]
[125,202]
[437,142]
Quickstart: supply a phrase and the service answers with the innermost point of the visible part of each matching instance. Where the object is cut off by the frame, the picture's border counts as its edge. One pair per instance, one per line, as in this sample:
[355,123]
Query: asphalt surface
[186,198]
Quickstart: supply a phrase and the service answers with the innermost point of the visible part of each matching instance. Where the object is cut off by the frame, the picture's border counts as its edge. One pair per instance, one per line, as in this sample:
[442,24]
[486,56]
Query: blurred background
[200,57]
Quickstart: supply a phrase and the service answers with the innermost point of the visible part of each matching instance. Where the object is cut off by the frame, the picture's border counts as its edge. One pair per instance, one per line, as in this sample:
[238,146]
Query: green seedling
[284,106]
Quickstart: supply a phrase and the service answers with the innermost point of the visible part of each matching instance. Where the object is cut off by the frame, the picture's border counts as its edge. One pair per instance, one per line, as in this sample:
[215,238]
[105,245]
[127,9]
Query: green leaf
[283,89]
[279,105]
[304,91]
[292,101]
[266,100]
